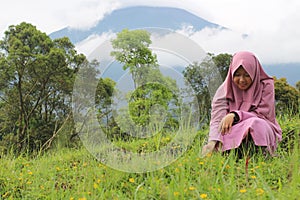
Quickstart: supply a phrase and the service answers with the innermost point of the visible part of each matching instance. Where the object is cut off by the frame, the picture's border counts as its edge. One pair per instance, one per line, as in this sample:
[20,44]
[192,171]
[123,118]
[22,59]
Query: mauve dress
[257,116]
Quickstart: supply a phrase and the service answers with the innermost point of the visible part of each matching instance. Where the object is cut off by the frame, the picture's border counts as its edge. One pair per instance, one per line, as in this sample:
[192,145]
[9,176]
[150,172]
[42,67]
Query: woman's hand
[226,124]
[208,148]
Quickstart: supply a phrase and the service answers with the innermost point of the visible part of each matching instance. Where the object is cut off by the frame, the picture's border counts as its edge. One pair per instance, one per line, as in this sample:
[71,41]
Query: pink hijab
[259,97]
[245,100]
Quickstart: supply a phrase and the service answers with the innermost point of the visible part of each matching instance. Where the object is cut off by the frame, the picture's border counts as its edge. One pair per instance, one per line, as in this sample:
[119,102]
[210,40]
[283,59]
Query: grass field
[75,174]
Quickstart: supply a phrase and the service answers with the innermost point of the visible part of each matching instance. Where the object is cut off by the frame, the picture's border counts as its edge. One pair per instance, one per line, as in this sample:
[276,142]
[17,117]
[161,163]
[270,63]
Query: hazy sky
[272,26]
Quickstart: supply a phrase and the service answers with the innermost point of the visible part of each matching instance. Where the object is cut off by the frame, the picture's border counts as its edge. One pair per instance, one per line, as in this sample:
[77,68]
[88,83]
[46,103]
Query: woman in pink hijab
[243,107]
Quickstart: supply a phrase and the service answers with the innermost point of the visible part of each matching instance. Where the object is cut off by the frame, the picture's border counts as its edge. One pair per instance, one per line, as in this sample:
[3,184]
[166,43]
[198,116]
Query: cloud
[89,45]
[271,25]
[271,48]
[87,14]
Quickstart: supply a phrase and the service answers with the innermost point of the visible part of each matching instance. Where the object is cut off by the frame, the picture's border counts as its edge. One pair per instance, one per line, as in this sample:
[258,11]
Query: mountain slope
[138,17]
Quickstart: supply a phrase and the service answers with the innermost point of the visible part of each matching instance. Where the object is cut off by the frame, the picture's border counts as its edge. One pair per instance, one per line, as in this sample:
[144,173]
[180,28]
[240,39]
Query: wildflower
[176,194]
[243,190]
[253,177]
[82,198]
[71,198]
[192,188]
[30,173]
[201,163]
[57,169]
[260,191]
[5,195]
[176,169]
[203,196]
[131,180]
[95,185]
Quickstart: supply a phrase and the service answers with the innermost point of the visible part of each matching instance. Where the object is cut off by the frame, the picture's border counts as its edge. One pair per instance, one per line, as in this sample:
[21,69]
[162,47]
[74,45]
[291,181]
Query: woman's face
[242,79]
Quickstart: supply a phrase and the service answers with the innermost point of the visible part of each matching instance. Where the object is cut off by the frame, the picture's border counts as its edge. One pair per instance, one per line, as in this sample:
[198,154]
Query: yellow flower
[192,188]
[253,177]
[243,190]
[30,173]
[176,169]
[260,191]
[82,198]
[176,194]
[201,163]
[5,194]
[57,169]
[71,198]
[203,196]
[95,185]
[131,180]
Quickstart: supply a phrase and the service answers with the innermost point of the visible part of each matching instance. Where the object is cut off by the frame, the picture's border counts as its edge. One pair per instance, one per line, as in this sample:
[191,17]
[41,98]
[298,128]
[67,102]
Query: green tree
[132,49]
[204,78]
[104,93]
[37,76]
[222,62]
[286,96]
[298,86]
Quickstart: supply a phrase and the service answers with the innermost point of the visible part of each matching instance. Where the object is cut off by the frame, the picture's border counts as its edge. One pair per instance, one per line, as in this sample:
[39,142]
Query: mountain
[162,17]
[138,17]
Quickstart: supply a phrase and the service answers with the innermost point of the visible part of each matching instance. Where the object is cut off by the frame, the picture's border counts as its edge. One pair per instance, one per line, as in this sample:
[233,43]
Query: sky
[271,26]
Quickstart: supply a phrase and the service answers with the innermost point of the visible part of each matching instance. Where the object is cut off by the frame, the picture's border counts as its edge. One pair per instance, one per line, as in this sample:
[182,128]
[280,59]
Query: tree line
[37,76]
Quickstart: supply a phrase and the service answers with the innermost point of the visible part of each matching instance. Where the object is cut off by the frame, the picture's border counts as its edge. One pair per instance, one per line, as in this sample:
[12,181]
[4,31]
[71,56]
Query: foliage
[132,49]
[151,88]
[204,78]
[286,96]
[36,83]
[75,174]
[222,62]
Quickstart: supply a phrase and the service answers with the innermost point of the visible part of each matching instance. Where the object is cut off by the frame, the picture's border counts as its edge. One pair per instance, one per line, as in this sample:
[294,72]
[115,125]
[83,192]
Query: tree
[132,49]
[104,93]
[204,78]
[222,62]
[298,86]
[286,96]
[37,76]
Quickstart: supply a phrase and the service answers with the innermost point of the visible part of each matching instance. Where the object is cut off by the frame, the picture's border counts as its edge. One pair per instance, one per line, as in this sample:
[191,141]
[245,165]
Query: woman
[244,107]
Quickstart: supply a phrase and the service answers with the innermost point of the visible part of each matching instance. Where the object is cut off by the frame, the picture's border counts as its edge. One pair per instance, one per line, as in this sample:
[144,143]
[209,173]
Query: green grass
[76,174]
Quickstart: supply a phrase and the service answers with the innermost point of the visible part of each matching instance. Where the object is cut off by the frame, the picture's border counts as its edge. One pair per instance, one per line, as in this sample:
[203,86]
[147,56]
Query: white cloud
[271,25]
[88,45]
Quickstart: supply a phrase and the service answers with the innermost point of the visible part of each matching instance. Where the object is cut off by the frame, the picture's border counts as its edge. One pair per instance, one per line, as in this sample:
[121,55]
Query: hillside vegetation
[75,174]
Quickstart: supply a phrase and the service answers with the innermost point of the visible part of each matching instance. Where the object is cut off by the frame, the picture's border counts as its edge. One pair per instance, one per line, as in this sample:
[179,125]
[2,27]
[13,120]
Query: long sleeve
[219,110]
